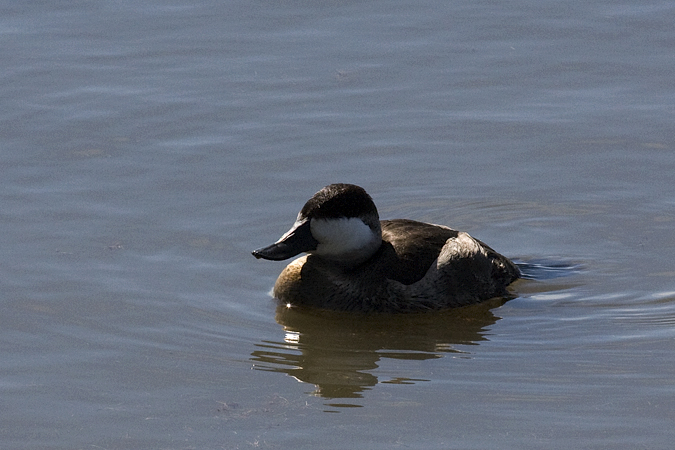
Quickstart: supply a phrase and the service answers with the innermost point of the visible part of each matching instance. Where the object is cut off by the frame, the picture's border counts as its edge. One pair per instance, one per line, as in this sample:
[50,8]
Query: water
[147,148]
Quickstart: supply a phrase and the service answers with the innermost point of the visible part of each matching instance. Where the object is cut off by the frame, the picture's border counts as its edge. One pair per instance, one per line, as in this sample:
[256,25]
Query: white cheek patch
[343,236]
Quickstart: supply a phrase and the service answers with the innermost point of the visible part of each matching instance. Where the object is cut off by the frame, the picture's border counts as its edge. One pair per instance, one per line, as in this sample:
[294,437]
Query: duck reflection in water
[338,352]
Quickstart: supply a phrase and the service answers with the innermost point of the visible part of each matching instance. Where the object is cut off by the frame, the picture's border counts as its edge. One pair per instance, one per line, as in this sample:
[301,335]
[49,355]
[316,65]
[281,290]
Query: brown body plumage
[409,266]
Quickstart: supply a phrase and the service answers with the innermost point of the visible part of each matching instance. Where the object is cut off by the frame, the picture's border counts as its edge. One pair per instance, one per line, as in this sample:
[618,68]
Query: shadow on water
[337,352]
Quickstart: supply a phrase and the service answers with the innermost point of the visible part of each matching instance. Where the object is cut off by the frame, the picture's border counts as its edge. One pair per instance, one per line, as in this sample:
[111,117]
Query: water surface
[148,148]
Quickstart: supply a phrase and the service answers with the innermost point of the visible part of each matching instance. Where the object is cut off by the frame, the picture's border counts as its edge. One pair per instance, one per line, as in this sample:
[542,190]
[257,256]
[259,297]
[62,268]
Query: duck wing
[416,245]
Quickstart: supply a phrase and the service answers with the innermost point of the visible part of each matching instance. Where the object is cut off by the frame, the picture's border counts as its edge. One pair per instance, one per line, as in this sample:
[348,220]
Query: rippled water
[148,148]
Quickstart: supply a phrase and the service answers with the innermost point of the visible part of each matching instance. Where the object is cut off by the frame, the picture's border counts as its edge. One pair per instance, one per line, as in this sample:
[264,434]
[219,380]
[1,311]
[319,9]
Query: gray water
[148,147]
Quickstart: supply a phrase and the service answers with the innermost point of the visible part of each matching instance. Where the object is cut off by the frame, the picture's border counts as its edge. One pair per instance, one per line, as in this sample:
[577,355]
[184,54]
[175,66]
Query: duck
[354,261]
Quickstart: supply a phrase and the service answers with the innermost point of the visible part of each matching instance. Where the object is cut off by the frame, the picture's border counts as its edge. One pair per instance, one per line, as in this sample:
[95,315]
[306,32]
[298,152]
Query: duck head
[339,223]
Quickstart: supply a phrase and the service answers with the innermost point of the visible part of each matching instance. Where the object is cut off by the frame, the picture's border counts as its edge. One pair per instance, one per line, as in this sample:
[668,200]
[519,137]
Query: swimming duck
[355,262]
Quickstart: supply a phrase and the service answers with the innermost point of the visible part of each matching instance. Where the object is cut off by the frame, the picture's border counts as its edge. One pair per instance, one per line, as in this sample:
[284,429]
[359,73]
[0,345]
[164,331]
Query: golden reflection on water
[339,352]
